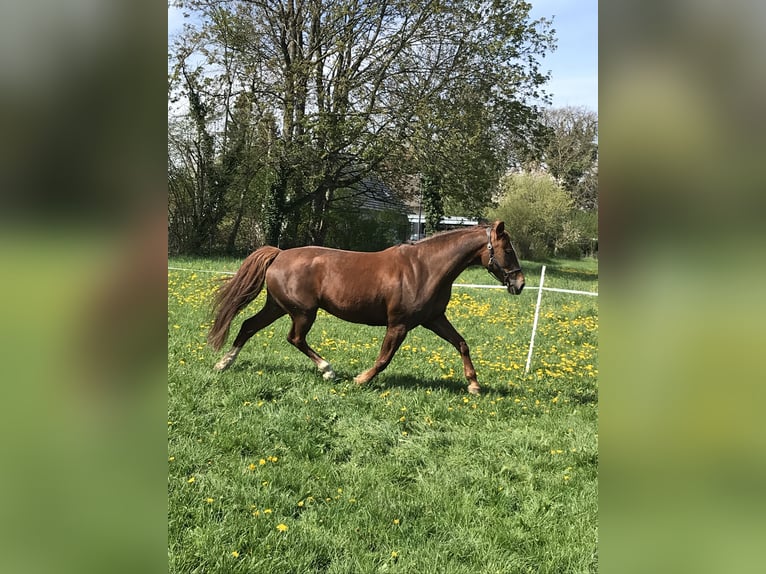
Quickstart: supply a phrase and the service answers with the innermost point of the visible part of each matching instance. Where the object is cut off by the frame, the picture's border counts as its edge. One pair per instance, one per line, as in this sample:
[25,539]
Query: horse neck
[451,253]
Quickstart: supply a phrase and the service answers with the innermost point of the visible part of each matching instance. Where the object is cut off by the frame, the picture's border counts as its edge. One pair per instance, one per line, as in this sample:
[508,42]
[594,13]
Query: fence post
[534,324]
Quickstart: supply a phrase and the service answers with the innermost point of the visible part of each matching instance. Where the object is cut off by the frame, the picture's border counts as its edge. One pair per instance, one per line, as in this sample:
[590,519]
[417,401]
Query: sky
[574,63]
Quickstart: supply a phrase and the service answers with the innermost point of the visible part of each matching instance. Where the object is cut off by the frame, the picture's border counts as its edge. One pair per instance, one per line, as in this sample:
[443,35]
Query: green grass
[406,474]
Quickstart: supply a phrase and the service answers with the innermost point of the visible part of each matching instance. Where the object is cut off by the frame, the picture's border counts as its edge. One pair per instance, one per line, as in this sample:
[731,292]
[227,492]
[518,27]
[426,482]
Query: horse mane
[449,232]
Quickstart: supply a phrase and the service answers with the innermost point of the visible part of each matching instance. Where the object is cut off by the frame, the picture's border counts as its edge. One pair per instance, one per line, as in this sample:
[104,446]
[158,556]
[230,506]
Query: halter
[492,262]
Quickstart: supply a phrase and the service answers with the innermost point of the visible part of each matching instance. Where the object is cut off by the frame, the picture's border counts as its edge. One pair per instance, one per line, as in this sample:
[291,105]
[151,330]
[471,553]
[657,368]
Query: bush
[586,223]
[538,215]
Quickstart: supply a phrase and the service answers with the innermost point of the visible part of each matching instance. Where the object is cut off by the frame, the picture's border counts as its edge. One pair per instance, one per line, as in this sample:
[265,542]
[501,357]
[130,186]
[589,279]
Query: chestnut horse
[400,288]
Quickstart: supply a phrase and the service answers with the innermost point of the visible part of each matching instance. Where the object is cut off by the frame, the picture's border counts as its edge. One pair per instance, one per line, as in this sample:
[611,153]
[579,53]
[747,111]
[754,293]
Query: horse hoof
[474,389]
[326,369]
[221,366]
[328,375]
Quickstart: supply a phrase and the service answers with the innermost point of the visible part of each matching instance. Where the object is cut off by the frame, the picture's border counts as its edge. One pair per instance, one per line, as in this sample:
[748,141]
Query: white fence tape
[468,285]
[533,287]
[201,270]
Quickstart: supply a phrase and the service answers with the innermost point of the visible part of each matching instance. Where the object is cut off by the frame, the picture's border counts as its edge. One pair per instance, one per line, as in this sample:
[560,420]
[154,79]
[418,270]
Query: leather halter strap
[492,262]
[491,250]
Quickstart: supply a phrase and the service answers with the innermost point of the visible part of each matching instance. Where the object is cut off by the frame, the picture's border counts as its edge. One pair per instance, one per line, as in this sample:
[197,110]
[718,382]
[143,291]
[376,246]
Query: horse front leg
[442,327]
[395,334]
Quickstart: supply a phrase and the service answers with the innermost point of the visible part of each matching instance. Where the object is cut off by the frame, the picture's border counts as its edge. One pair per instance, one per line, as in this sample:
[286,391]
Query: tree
[432,202]
[394,87]
[570,152]
[194,179]
[215,178]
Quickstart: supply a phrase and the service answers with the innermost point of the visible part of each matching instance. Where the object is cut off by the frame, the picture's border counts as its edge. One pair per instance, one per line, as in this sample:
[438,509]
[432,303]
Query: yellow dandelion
[235,553]
[396,521]
[300,503]
[267,511]
[262,462]
[394,554]
[209,500]
[191,479]
[282,527]
[251,466]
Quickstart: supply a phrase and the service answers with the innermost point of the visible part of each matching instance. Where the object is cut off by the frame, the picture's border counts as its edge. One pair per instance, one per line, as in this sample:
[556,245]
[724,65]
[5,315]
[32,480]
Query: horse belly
[357,311]
[352,286]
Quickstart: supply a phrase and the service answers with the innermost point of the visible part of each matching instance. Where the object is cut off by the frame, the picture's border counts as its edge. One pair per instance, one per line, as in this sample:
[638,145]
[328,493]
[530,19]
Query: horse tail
[238,292]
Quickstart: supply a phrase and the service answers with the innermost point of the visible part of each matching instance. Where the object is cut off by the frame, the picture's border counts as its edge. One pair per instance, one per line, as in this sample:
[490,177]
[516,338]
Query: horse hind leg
[297,337]
[265,317]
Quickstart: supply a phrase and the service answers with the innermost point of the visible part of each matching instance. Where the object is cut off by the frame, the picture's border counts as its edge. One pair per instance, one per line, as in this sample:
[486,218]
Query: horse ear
[499,228]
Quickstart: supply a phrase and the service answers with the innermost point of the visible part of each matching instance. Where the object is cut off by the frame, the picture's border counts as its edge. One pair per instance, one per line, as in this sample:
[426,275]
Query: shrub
[537,213]
[586,222]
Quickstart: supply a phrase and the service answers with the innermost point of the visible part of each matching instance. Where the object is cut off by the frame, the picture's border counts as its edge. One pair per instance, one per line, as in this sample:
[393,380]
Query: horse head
[502,261]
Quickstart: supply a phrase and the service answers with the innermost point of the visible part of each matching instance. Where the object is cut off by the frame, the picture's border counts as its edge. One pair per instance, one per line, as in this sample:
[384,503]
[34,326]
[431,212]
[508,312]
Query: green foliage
[406,474]
[537,213]
[358,88]
[586,224]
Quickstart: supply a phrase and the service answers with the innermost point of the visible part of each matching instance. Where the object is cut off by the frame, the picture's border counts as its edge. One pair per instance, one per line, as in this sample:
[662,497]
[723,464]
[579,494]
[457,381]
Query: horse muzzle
[513,279]
[515,284]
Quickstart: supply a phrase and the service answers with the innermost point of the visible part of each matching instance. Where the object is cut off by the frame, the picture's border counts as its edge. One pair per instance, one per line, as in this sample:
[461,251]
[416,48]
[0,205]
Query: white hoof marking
[226,360]
[329,375]
[326,369]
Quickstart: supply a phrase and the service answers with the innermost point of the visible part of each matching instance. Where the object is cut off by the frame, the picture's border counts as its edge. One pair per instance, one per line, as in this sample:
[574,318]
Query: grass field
[271,469]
